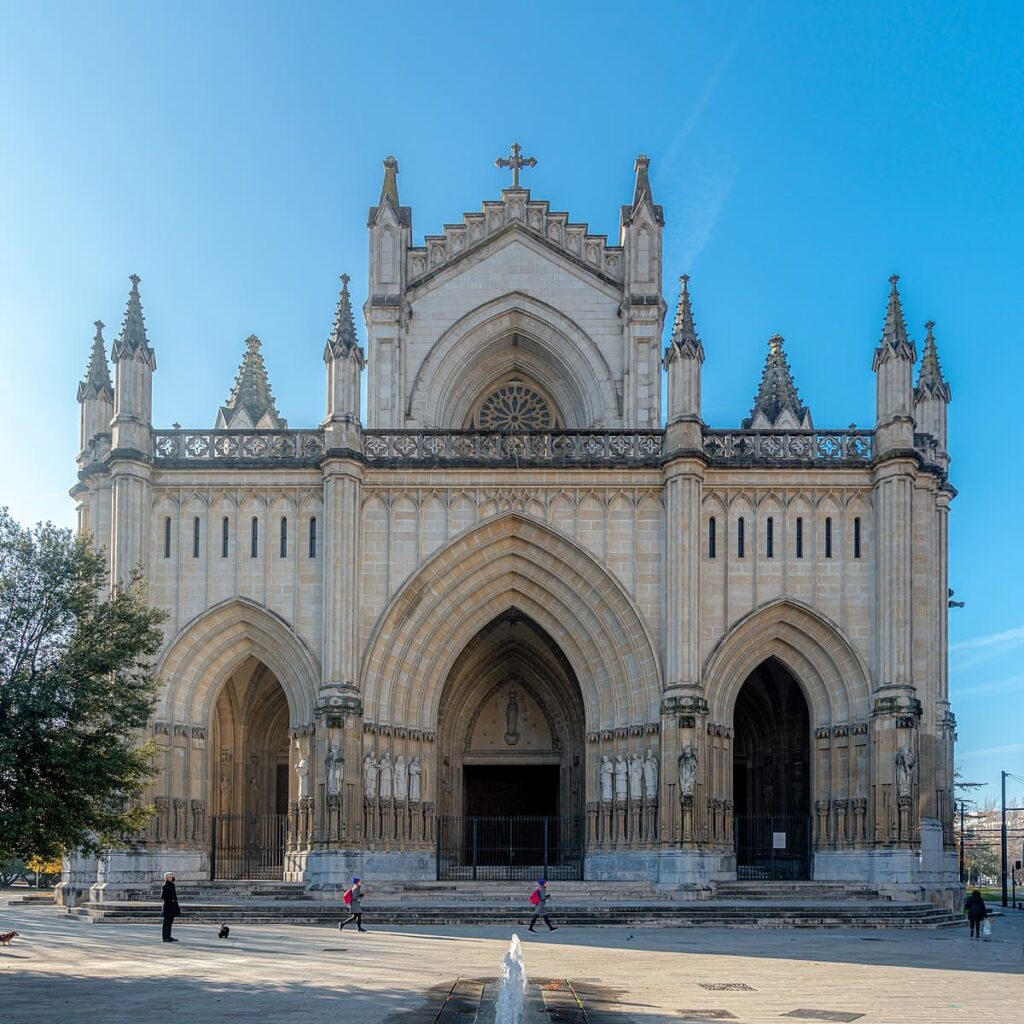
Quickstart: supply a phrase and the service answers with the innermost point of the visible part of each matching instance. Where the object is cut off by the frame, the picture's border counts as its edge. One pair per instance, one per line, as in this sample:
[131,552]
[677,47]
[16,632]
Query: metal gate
[247,845]
[773,846]
[507,848]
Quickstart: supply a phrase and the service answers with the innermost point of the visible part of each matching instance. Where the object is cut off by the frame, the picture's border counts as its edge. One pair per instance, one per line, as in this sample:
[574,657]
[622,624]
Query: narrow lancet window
[739,538]
[769,540]
[224,536]
[195,537]
[255,552]
[167,536]
[799,537]
[712,527]
[312,536]
[284,537]
[856,537]
[828,536]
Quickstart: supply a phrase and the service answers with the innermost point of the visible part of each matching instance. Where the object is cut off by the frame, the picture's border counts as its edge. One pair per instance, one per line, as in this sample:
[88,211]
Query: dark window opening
[799,537]
[312,537]
[284,537]
[711,537]
[167,537]
[856,537]
[255,538]
[224,535]
[828,537]
[739,538]
[770,538]
[195,537]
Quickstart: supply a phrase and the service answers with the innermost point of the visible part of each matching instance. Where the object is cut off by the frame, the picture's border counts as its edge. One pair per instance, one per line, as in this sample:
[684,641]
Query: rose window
[515,407]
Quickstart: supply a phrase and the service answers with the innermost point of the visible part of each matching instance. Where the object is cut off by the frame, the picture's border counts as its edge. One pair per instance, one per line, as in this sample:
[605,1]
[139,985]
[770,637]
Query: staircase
[580,904]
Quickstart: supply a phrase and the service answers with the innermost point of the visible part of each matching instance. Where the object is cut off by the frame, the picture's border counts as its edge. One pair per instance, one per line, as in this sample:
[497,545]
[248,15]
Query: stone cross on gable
[515,161]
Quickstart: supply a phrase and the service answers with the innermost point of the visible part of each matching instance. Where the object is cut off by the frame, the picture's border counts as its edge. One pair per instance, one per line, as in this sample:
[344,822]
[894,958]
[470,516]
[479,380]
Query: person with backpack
[353,899]
[976,912]
[539,899]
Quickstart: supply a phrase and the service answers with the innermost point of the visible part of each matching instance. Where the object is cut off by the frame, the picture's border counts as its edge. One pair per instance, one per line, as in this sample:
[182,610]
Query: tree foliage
[76,684]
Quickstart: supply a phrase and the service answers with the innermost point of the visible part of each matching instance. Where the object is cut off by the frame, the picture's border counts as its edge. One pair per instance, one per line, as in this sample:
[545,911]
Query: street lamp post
[1002,838]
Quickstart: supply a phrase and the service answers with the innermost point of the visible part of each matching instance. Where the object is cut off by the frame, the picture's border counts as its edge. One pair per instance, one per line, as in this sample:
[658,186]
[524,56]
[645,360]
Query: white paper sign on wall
[778,840]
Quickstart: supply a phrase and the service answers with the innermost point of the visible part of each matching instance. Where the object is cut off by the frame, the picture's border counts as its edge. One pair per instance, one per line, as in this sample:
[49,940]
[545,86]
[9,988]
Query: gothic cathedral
[514,617]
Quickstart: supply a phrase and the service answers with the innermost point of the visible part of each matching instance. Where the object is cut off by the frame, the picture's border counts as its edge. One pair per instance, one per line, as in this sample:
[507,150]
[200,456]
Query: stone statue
[415,777]
[620,777]
[401,779]
[225,794]
[650,774]
[636,775]
[386,776]
[512,720]
[370,768]
[606,771]
[905,761]
[302,770]
[334,764]
[687,771]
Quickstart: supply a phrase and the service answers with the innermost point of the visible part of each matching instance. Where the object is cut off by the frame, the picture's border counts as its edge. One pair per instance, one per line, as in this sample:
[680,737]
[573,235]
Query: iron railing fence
[773,846]
[247,846]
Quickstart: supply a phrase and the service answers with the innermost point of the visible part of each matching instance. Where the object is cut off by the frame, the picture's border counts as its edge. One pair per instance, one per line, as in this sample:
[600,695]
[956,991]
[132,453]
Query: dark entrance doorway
[771,776]
[511,790]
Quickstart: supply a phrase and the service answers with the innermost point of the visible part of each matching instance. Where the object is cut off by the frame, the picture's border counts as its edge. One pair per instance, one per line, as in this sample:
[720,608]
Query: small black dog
[224,932]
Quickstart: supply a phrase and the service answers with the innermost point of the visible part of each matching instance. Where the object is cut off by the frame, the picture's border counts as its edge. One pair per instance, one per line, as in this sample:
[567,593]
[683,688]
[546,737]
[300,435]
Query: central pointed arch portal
[512,645]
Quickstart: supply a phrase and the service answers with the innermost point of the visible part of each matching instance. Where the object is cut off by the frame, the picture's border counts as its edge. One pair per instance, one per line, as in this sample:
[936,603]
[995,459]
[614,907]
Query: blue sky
[803,152]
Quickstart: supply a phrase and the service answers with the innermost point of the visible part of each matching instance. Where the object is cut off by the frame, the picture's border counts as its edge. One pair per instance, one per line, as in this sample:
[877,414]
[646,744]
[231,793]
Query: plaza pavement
[63,969]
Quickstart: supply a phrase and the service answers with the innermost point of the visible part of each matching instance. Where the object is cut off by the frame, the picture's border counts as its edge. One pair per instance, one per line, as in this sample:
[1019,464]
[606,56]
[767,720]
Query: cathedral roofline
[251,403]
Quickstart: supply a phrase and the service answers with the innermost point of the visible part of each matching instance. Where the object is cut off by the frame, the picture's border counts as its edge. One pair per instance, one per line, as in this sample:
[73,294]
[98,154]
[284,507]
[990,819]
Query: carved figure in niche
[401,779]
[334,764]
[636,775]
[512,720]
[606,773]
[370,770]
[621,770]
[905,761]
[302,770]
[415,777]
[387,773]
[225,794]
[687,771]
[650,774]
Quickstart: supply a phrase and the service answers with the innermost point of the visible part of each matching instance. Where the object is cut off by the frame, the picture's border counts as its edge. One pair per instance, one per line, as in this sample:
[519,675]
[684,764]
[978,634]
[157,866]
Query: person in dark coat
[355,905]
[171,910]
[976,911]
[539,899]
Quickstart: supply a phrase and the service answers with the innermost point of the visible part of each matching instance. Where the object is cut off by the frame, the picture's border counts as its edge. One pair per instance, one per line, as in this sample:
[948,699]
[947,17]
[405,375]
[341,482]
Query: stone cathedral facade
[516,615]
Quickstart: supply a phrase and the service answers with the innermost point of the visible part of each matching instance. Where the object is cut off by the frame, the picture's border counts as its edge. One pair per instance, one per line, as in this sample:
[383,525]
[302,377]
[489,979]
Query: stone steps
[713,914]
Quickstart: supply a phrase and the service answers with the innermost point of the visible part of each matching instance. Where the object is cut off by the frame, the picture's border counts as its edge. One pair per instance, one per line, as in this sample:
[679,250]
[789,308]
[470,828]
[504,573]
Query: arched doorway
[249,781]
[510,739]
[771,776]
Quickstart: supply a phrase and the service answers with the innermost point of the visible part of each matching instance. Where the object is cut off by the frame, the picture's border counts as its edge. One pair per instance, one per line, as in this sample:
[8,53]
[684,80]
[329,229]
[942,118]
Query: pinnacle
[342,340]
[97,374]
[684,332]
[643,183]
[251,403]
[389,189]
[894,331]
[930,381]
[132,340]
[777,404]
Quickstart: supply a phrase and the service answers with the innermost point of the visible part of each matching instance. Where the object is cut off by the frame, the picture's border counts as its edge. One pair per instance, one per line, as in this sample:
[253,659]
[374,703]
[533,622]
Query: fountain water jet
[511,1002]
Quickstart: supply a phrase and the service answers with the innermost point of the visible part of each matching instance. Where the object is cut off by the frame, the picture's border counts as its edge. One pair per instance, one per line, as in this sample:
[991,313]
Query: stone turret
[894,370]
[344,360]
[683,359]
[643,308]
[134,362]
[777,405]
[390,238]
[251,403]
[96,397]
[932,395]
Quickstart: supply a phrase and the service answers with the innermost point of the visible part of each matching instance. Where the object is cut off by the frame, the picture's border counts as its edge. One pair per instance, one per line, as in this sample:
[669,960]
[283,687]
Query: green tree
[76,680]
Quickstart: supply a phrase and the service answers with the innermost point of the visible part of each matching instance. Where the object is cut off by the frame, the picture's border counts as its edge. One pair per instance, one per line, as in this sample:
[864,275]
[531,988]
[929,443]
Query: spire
[930,382]
[894,332]
[642,195]
[684,333]
[342,341]
[132,340]
[250,403]
[389,190]
[97,381]
[777,405]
